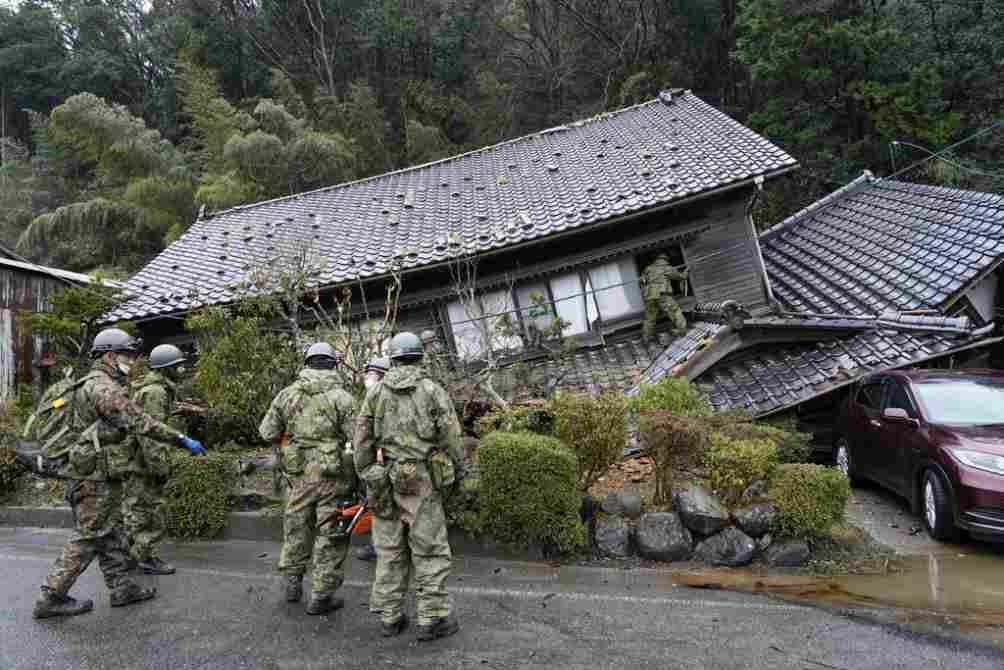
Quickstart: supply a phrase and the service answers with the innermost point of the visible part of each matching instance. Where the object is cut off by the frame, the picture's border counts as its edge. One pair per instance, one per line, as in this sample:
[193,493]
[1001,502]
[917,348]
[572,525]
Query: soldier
[373,374]
[408,451]
[313,418]
[106,419]
[143,503]
[657,282]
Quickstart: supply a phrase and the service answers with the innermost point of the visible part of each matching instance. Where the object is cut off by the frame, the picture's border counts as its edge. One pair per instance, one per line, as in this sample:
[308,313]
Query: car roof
[928,375]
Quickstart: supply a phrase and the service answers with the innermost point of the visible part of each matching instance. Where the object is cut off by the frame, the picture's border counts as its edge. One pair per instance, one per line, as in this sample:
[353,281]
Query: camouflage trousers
[662,305]
[412,542]
[98,534]
[143,515]
[309,530]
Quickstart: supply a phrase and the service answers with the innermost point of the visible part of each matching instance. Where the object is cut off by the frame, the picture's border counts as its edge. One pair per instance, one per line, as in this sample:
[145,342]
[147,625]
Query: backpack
[51,425]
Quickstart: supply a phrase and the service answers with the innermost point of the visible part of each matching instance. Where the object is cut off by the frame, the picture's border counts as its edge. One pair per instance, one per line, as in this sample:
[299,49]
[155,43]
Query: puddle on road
[962,592]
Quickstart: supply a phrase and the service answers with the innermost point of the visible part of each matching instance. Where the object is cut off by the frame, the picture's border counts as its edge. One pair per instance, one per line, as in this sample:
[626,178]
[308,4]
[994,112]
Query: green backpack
[51,425]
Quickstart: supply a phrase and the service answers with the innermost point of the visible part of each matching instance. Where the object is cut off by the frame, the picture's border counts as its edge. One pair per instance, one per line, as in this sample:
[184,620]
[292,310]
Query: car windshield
[962,401]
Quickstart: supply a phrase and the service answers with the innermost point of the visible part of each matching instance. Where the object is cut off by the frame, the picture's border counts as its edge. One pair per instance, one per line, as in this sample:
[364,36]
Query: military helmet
[322,350]
[164,356]
[113,339]
[405,346]
[381,365]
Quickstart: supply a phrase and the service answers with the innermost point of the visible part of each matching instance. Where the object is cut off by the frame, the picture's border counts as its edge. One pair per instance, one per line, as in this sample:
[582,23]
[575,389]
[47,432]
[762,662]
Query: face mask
[370,380]
[124,368]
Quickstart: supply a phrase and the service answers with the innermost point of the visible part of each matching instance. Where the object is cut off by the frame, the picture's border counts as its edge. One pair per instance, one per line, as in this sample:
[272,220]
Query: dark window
[870,396]
[899,398]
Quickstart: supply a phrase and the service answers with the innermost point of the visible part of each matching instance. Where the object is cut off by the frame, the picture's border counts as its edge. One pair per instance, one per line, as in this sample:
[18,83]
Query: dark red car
[936,437]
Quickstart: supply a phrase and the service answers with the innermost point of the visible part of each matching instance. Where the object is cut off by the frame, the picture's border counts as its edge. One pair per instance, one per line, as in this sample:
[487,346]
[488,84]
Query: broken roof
[55,273]
[631,161]
[852,263]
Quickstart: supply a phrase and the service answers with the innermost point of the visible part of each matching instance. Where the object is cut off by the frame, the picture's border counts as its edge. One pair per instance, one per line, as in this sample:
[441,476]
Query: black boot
[394,629]
[322,604]
[155,566]
[131,592]
[443,627]
[51,604]
[294,588]
[367,553]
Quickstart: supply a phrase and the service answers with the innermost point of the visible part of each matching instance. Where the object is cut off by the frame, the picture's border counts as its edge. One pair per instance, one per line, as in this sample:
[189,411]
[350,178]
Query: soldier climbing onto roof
[657,287]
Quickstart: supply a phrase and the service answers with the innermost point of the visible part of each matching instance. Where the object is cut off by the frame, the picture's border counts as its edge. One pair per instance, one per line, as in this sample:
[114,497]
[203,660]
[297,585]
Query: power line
[931,154]
[938,154]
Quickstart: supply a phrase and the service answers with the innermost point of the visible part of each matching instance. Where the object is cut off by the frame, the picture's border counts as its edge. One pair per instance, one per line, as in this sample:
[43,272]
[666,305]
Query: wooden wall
[21,290]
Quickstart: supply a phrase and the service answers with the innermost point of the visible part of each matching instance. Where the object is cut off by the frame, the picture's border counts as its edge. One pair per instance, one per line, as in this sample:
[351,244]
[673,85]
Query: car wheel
[844,460]
[936,507]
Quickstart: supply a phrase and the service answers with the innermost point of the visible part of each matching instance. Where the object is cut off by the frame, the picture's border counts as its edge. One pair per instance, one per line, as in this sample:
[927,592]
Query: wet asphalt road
[222,611]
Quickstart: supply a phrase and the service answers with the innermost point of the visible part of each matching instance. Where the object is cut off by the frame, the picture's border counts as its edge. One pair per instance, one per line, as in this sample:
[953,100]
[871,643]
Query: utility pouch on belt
[378,490]
[293,460]
[329,459]
[85,454]
[404,476]
[441,470]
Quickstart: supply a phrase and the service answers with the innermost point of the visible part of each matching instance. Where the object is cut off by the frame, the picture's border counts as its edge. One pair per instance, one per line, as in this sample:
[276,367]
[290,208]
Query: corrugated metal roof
[559,180]
[56,273]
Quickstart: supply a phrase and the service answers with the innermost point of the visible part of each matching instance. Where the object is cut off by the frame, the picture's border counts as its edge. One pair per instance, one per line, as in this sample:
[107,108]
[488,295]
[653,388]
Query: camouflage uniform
[408,416]
[143,501]
[103,454]
[658,290]
[315,415]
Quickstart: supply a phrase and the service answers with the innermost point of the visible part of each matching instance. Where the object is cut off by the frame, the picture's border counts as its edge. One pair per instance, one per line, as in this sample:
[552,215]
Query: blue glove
[193,446]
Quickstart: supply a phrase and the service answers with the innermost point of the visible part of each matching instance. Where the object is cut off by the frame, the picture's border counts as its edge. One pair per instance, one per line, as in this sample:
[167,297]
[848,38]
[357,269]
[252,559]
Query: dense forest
[121,118]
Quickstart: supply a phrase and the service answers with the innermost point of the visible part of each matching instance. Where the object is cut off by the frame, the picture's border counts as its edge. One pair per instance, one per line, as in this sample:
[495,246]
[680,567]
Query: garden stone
[756,520]
[612,504]
[731,547]
[630,502]
[247,500]
[661,536]
[764,542]
[790,554]
[700,511]
[755,491]
[613,537]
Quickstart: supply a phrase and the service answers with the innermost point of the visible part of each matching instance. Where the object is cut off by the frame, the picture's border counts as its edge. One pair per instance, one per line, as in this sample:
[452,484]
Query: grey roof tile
[525,189]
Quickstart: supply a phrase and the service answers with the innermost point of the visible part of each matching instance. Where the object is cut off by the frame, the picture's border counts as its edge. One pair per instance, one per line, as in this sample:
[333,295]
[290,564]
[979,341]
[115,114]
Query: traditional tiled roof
[585,173]
[681,349]
[615,366]
[881,245]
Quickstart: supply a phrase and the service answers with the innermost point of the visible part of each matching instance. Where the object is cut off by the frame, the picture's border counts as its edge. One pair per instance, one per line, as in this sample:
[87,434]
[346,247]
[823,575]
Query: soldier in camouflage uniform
[408,451]
[106,419]
[373,374]
[657,284]
[143,501]
[312,417]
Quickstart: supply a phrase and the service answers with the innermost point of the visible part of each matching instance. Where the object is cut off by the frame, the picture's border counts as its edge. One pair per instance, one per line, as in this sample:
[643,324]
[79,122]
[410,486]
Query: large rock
[756,520]
[731,547]
[630,502]
[613,537]
[612,504]
[700,511]
[789,554]
[661,536]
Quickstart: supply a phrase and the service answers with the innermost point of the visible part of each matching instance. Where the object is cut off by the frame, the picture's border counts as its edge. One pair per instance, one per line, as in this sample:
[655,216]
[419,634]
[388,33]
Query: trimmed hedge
[811,499]
[674,394]
[198,496]
[594,427]
[735,464]
[792,446]
[528,492]
[517,419]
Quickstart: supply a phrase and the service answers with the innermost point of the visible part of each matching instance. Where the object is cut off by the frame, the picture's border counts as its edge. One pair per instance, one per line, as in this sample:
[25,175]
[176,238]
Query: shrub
[517,419]
[735,464]
[10,472]
[674,394]
[198,495]
[529,494]
[792,446]
[674,443]
[810,499]
[594,427]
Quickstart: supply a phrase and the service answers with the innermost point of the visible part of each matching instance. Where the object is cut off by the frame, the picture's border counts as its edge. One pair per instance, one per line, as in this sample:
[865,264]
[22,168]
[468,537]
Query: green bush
[10,472]
[198,495]
[735,464]
[528,492]
[811,499]
[594,427]
[518,419]
[674,394]
[675,443]
[792,446]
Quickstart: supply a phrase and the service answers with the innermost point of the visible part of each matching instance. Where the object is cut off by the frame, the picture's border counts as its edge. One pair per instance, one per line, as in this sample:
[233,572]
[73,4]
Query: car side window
[870,395]
[899,398]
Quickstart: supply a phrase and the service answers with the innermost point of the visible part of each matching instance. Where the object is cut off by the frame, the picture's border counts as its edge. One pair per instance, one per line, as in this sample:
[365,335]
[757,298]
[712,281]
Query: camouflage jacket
[408,416]
[658,277]
[155,394]
[108,418]
[312,417]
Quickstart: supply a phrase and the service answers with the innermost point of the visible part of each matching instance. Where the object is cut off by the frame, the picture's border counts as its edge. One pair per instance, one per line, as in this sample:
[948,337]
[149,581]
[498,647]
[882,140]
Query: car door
[893,448]
[866,407]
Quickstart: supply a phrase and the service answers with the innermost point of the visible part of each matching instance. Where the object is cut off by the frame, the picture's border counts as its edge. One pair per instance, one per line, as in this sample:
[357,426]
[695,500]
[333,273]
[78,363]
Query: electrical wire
[940,153]
[932,154]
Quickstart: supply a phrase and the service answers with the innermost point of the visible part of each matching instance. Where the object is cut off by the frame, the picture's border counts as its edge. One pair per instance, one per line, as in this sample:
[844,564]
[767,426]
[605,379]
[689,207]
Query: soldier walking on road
[143,502]
[408,450]
[657,283]
[313,418]
[105,421]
